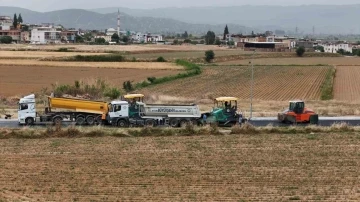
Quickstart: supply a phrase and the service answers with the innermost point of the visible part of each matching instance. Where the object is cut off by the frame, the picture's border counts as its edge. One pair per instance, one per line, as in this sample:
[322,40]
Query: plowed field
[204,168]
[347,83]
[20,80]
[271,83]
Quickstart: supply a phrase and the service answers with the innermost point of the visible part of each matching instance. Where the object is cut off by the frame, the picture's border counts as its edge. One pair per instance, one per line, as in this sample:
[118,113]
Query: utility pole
[252,85]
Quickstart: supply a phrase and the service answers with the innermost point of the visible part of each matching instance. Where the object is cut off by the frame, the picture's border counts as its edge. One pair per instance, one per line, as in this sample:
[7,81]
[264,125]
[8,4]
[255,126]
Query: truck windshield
[23,107]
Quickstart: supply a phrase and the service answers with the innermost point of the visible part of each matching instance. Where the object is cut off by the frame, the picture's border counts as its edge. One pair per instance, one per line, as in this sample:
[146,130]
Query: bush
[127,86]
[97,58]
[160,59]
[300,51]
[187,41]
[6,39]
[209,55]
[151,79]
[95,89]
[63,50]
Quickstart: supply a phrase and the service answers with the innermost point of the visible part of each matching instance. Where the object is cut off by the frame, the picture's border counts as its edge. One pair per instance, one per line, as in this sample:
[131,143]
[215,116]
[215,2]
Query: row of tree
[17,20]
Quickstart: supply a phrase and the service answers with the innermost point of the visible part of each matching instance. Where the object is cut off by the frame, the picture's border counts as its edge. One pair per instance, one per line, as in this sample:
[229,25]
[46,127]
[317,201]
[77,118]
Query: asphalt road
[258,122]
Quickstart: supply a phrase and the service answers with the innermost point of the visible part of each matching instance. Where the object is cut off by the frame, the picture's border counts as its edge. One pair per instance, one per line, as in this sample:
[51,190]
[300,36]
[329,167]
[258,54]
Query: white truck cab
[27,110]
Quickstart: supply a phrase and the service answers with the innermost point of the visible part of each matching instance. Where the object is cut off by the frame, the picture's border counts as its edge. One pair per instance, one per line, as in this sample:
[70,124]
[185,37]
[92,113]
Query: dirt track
[20,80]
[346,85]
[207,168]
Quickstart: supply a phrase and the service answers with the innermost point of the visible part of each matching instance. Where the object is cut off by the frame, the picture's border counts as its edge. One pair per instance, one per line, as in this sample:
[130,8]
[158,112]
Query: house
[14,34]
[290,41]
[146,38]
[104,36]
[111,31]
[45,35]
[25,37]
[69,36]
[5,23]
[307,44]
[336,46]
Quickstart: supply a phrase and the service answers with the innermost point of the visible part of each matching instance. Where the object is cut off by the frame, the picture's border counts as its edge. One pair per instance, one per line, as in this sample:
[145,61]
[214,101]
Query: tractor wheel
[150,123]
[98,120]
[29,121]
[90,120]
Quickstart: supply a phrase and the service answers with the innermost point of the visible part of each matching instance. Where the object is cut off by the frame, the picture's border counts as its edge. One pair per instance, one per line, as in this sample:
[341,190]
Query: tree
[202,42]
[79,39]
[185,35]
[217,42]
[320,48]
[187,41]
[176,42]
[100,40]
[24,28]
[209,55]
[210,38]
[125,39]
[20,20]
[226,32]
[15,22]
[341,51]
[252,33]
[6,39]
[115,38]
[300,51]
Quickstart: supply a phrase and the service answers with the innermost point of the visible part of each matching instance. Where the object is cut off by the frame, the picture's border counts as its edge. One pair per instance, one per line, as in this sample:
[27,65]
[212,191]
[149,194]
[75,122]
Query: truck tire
[98,120]
[150,123]
[183,123]
[80,120]
[29,121]
[90,120]
[57,120]
[122,124]
[174,123]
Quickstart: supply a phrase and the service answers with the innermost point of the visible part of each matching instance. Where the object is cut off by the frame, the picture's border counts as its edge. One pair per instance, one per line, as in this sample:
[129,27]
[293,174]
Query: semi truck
[119,113]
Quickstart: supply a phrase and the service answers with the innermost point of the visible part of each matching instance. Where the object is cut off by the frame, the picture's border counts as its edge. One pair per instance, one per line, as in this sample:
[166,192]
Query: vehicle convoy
[298,113]
[224,113]
[116,113]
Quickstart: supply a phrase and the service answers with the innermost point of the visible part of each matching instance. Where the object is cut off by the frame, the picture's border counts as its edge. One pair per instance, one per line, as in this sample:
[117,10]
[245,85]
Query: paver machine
[298,113]
[224,113]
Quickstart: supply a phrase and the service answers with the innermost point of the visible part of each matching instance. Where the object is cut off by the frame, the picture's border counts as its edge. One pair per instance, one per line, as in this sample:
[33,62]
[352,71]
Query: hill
[331,19]
[78,18]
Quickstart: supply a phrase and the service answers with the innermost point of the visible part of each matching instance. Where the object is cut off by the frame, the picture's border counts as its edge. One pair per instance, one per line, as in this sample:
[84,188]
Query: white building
[110,31]
[147,38]
[106,37]
[45,35]
[334,47]
[5,23]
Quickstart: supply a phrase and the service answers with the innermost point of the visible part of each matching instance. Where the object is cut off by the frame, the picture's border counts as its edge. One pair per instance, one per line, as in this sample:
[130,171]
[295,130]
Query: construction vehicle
[298,113]
[73,110]
[160,114]
[116,113]
[224,113]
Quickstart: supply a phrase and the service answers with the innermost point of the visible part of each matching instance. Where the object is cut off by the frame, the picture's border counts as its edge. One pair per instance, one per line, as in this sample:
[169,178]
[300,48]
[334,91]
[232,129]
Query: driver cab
[297,107]
[227,103]
[135,102]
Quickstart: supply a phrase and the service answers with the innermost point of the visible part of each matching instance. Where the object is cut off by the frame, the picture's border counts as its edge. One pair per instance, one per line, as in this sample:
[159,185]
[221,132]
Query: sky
[50,5]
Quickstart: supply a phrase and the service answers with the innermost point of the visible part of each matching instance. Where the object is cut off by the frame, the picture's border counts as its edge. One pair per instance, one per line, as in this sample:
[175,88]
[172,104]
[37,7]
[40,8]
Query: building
[266,46]
[104,36]
[290,41]
[25,37]
[146,38]
[14,34]
[335,47]
[306,44]
[69,36]
[45,35]
[5,23]
[111,31]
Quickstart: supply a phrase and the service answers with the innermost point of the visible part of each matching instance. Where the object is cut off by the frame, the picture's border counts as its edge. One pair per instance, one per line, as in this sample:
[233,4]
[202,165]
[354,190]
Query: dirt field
[346,84]
[206,168]
[40,54]
[19,80]
[115,65]
[271,83]
[299,61]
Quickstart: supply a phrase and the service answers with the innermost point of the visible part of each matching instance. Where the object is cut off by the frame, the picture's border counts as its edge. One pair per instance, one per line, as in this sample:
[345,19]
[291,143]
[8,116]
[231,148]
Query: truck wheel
[29,121]
[80,120]
[98,120]
[122,124]
[57,120]
[174,123]
[90,120]
[150,123]
[183,123]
